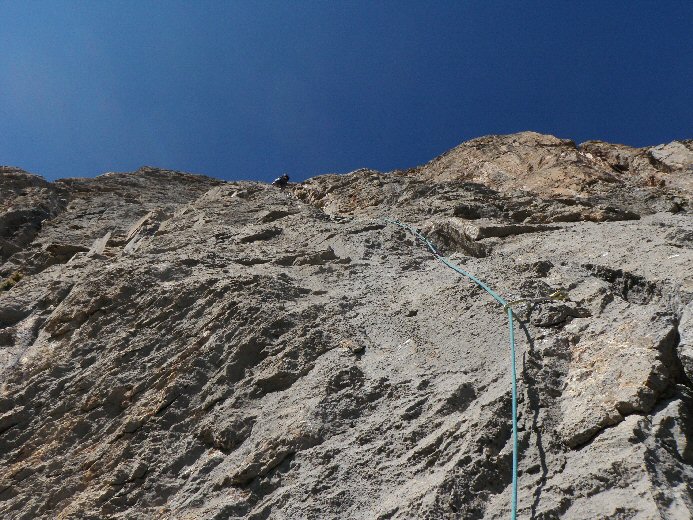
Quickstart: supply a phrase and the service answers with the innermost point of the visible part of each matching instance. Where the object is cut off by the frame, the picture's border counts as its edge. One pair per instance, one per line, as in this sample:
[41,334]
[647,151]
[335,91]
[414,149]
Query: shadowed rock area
[175,346]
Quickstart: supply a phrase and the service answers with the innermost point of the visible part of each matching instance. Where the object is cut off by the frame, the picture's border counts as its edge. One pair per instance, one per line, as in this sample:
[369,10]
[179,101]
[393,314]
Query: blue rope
[508,309]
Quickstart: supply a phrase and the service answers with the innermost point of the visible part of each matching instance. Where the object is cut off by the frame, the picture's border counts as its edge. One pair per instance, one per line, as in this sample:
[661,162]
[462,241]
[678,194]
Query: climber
[281,182]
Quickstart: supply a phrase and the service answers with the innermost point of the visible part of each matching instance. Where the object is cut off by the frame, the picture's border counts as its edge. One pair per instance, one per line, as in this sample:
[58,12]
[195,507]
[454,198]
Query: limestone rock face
[174,346]
[26,201]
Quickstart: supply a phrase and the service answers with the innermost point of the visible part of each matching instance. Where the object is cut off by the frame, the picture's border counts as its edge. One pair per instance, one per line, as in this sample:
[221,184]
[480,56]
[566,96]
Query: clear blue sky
[249,89]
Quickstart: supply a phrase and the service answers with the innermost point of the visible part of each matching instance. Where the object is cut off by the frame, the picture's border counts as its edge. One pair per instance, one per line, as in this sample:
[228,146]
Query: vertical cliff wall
[175,346]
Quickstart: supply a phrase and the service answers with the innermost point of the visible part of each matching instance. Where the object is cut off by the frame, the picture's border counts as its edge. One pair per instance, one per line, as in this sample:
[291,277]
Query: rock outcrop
[175,346]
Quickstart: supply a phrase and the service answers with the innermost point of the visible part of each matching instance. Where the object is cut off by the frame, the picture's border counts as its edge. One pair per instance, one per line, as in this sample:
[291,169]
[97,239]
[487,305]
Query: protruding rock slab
[615,371]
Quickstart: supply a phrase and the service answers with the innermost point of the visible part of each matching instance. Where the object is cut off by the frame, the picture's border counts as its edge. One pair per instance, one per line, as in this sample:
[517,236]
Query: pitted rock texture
[174,346]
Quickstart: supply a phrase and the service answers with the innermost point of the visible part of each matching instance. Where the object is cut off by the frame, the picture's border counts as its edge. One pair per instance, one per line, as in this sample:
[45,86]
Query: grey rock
[675,155]
[183,347]
[685,349]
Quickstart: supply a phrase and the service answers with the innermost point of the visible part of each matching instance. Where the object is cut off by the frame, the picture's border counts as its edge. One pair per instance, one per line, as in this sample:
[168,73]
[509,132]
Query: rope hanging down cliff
[507,307]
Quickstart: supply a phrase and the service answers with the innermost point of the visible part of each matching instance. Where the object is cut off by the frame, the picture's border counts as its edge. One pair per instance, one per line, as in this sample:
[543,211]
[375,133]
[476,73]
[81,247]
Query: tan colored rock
[260,353]
[616,371]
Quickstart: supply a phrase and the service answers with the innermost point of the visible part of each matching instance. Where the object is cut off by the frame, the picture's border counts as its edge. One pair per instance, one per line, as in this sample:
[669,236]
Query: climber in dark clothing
[281,182]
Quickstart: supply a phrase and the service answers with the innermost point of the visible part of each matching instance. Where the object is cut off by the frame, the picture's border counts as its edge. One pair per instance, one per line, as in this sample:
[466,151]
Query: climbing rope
[507,307]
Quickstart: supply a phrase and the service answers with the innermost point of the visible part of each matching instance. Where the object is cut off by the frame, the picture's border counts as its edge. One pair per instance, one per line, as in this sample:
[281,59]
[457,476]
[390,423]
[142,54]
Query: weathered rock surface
[26,201]
[175,346]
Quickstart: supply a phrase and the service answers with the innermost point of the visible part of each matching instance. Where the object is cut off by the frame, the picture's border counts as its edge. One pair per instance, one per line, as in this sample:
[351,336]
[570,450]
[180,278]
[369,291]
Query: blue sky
[250,89]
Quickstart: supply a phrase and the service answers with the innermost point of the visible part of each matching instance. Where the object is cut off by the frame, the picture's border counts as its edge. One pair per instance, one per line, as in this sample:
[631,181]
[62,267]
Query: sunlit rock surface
[175,346]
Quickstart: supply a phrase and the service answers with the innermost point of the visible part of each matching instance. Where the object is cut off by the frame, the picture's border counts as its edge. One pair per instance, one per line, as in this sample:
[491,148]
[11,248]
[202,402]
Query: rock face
[174,346]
